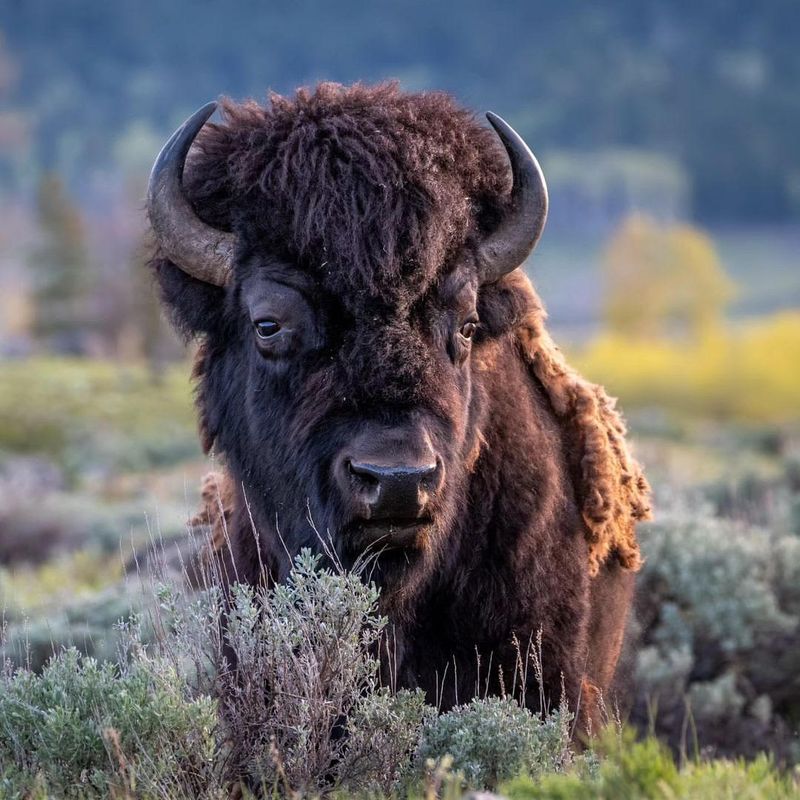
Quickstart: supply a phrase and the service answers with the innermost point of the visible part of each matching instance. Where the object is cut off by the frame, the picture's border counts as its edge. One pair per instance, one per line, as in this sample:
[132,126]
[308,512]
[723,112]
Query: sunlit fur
[373,199]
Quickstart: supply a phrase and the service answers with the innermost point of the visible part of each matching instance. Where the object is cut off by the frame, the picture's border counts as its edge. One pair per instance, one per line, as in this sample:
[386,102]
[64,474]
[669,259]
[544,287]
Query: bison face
[354,426]
[350,420]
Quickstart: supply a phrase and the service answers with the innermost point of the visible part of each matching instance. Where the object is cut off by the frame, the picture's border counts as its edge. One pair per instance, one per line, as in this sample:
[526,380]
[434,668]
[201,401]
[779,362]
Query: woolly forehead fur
[371,189]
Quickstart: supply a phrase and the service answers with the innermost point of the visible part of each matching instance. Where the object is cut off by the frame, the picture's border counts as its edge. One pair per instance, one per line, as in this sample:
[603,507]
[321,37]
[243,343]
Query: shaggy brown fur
[218,501]
[304,171]
[615,492]
[357,212]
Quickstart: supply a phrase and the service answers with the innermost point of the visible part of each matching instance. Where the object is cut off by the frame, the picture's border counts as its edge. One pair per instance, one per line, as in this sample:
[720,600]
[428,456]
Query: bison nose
[392,491]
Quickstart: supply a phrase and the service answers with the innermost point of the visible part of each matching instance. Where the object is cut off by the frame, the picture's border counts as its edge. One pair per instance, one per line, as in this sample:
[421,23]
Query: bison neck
[514,567]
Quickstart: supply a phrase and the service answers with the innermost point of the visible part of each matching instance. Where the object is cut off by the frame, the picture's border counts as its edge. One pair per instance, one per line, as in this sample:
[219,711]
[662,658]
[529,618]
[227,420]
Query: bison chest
[479,633]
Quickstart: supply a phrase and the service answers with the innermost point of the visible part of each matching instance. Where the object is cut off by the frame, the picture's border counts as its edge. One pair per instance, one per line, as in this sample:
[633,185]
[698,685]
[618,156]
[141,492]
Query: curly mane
[370,187]
[612,489]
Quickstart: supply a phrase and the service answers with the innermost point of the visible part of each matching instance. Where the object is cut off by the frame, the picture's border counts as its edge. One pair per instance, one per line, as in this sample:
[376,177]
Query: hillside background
[686,110]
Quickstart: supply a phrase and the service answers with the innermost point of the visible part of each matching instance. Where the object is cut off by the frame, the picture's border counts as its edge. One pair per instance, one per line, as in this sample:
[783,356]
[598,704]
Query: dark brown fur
[374,200]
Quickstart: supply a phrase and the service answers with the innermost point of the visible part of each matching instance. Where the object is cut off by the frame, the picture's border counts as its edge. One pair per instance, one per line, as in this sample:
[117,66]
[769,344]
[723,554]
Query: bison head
[346,257]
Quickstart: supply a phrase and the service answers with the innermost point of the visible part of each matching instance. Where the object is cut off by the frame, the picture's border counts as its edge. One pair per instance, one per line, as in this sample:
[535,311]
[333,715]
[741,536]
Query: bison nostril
[430,476]
[364,473]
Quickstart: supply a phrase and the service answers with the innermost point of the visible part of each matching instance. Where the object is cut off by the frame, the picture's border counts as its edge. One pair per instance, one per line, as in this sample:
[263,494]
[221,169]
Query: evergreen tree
[60,271]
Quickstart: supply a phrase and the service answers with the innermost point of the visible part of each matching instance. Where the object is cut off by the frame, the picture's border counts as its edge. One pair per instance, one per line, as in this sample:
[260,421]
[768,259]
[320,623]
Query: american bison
[375,371]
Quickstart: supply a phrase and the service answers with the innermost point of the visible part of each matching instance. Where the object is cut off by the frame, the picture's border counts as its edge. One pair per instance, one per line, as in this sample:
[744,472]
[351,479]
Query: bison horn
[519,231]
[198,249]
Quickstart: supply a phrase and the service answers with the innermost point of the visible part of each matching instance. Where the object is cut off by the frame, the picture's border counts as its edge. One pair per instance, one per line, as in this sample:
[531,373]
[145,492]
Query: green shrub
[305,664]
[646,771]
[305,711]
[764,494]
[86,626]
[305,714]
[87,728]
[719,609]
[96,416]
[491,740]
[74,601]
[723,572]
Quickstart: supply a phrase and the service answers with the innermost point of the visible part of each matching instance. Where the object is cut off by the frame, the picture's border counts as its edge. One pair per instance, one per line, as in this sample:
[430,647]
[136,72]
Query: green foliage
[725,573]
[143,722]
[311,641]
[720,613]
[85,623]
[96,416]
[88,728]
[384,731]
[144,725]
[491,740]
[646,771]
[690,80]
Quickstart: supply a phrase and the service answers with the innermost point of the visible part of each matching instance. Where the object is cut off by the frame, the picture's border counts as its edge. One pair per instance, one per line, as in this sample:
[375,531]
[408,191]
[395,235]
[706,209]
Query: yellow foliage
[752,373]
[662,280]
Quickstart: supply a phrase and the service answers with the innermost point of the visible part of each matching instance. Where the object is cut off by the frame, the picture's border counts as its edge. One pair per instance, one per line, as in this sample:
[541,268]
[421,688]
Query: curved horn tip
[204,112]
[508,134]
[500,125]
[197,248]
[183,137]
[517,235]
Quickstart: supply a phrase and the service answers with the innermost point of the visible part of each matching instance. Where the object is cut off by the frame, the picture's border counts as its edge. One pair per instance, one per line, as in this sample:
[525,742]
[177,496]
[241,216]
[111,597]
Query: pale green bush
[721,570]
[305,711]
[493,739]
[719,612]
[306,715]
[87,728]
[86,624]
[306,670]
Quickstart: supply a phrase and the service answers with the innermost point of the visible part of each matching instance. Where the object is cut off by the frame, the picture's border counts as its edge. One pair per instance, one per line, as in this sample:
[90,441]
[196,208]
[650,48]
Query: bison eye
[468,329]
[265,328]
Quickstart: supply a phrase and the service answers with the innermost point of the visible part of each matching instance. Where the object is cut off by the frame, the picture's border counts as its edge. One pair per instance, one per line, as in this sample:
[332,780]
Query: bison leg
[611,593]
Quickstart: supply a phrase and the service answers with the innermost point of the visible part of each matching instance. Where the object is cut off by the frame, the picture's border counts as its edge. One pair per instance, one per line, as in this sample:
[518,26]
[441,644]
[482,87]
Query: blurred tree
[663,281]
[16,134]
[134,154]
[59,264]
[146,309]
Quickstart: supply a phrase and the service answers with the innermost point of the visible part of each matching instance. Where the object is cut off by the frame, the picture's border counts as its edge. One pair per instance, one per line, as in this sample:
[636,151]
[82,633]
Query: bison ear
[504,304]
[194,306]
